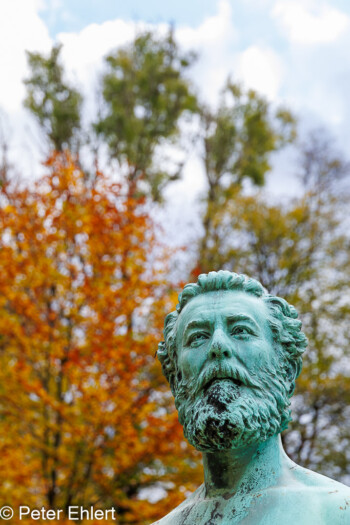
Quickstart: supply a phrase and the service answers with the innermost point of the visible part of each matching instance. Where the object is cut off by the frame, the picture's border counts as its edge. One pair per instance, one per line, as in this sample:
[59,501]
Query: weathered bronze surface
[231,354]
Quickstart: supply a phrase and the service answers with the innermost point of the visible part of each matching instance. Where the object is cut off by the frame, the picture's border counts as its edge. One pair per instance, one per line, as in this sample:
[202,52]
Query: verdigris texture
[231,354]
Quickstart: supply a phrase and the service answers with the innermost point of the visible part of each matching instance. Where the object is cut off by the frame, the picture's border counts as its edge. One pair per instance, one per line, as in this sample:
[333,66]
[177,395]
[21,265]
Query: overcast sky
[295,52]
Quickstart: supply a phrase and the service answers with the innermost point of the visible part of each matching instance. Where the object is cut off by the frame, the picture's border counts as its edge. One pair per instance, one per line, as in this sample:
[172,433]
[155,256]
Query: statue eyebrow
[196,323]
[235,318]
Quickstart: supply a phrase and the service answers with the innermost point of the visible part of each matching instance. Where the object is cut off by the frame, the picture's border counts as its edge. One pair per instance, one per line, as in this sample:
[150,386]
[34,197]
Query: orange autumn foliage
[86,418]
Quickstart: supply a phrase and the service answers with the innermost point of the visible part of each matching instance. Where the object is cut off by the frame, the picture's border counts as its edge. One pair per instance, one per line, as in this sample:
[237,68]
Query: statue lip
[213,380]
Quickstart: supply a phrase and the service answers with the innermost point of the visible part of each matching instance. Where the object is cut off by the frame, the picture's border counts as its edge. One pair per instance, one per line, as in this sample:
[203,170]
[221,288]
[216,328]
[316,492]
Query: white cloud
[260,69]
[20,29]
[310,21]
[211,31]
[83,51]
[213,39]
[53,5]
[86,48]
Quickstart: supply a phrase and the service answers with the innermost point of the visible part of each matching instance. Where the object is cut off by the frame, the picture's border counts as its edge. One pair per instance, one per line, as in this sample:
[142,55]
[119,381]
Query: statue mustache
[225,370]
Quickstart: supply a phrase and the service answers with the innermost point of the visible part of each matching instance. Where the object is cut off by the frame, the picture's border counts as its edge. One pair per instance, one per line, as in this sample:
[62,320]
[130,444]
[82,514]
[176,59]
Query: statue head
[231,354]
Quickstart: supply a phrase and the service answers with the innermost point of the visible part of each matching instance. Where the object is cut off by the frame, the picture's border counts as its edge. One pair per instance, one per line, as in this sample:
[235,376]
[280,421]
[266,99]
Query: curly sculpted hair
[285,327]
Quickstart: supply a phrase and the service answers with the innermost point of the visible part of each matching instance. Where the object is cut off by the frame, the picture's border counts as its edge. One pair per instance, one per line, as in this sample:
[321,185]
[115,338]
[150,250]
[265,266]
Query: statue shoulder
[177,515]
[330,497]
[309,478]
[336,503]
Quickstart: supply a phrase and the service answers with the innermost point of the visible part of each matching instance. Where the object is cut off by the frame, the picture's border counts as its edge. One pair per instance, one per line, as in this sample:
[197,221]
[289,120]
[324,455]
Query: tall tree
[145,91]
[55,103]
[237,140]
[82,399]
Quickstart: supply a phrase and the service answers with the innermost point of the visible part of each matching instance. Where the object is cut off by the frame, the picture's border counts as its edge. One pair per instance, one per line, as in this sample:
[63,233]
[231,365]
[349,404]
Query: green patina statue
[231,355]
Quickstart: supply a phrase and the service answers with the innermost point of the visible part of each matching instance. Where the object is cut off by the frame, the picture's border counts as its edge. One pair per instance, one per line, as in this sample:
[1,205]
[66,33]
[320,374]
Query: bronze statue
[231,354]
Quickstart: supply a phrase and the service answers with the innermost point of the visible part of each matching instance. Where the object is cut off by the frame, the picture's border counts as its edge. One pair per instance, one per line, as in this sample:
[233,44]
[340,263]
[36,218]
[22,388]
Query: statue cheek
[258,358]
[191,362]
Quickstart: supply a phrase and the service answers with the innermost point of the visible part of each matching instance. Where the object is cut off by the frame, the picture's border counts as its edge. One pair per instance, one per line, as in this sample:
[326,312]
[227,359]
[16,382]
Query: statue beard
[227,408]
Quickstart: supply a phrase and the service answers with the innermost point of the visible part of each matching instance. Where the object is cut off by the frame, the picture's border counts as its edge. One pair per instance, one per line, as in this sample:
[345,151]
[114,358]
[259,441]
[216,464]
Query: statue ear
[291,389]
[293,370]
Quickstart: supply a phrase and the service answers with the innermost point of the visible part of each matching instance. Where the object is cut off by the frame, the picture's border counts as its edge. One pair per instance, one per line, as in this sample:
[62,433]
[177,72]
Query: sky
[295,52]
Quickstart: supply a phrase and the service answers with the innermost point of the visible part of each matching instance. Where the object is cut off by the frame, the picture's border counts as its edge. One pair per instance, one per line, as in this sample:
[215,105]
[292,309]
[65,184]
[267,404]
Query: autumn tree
[85,419]
[300,250]
[54,102]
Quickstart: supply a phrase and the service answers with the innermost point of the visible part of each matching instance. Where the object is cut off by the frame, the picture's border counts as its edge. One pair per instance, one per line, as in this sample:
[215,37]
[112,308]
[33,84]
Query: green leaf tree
[300,250]
[145,91]
[237,140]
[55,104]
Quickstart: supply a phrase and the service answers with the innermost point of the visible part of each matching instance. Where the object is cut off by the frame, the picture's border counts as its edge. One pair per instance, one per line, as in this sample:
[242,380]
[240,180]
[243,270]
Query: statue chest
[279,507]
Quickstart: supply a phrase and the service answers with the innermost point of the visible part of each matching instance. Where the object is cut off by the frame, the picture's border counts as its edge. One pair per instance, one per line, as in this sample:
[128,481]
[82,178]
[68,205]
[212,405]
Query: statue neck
[246,469]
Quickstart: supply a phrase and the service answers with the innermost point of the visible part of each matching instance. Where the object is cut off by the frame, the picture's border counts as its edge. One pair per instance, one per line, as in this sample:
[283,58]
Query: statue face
[232,387]
[224,326]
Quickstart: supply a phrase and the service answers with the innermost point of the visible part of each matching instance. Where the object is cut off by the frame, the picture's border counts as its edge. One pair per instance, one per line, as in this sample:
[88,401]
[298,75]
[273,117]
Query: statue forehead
[209,305]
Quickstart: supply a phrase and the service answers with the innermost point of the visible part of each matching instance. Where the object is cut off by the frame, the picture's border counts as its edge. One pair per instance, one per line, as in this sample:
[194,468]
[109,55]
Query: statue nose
[220,347]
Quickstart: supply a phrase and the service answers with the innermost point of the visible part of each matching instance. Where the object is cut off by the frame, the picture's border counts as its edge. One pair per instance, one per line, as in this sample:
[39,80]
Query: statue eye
[197,339]
[241,331]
